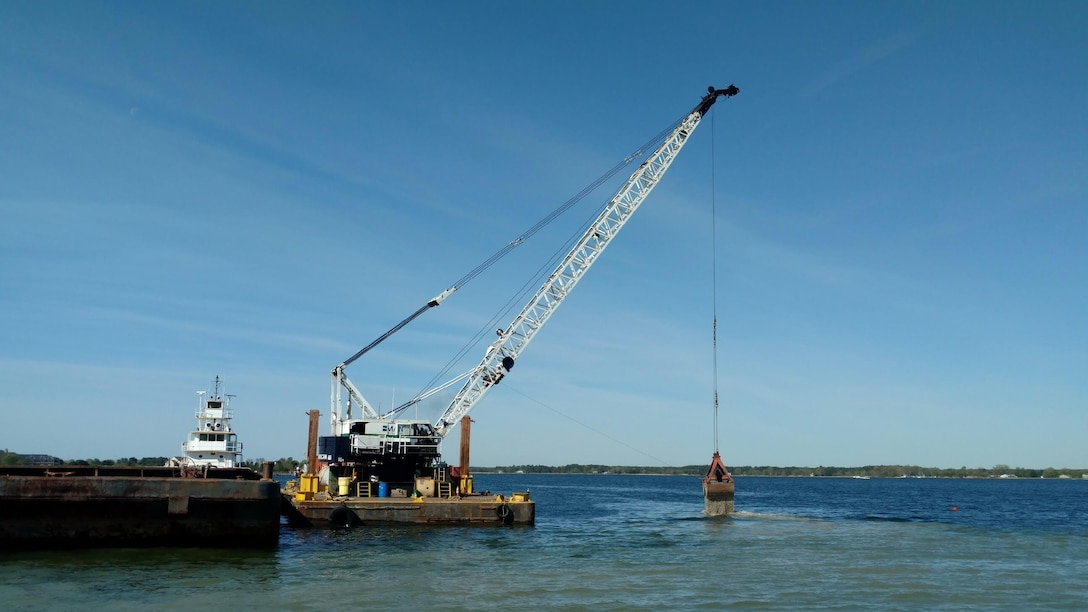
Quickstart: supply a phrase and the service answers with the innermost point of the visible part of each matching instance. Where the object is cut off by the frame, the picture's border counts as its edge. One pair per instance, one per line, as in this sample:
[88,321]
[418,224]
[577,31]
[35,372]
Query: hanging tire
[344,518]
[505,514]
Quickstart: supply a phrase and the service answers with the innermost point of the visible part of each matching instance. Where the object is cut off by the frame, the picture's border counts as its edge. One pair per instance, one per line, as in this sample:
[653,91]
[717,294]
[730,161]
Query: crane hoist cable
[714,270]
[515,300]
[503,353]
[518,297]
[513,244]
[581,254]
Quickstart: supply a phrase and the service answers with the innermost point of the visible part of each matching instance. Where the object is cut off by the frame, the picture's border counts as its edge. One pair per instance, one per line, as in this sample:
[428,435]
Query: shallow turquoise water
[623,542]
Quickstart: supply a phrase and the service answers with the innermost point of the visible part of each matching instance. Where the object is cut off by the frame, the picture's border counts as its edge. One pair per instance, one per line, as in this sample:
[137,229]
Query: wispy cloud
[235,332]
[866,58]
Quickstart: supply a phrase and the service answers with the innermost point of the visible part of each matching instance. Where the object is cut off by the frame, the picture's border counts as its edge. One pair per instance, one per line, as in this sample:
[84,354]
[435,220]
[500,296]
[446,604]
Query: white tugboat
[213,443]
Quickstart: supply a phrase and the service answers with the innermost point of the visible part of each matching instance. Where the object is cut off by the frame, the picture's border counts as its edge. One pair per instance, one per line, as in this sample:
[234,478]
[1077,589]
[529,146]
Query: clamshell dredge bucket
[718,488]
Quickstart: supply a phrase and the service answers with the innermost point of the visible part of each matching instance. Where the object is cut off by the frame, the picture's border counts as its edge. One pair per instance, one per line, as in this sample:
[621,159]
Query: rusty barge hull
[357,512]
[61,507]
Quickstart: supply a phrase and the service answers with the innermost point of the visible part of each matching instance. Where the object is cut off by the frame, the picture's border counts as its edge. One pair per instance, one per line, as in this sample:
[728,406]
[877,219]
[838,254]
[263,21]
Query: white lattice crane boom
[504,352]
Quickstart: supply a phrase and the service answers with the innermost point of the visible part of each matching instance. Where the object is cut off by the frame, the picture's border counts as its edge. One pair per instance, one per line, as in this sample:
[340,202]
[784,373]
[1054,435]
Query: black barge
[85,506]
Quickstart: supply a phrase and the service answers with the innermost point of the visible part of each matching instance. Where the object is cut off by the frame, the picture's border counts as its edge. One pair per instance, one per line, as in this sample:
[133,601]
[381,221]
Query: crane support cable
[714,270]
[701,109]
[514,301]
[382,338]
[590,428]
[578,197]
[504,352]
[513,244]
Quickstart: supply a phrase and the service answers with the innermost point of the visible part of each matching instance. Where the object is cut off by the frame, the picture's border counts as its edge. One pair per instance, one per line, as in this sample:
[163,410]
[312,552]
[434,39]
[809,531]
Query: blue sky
[257,190]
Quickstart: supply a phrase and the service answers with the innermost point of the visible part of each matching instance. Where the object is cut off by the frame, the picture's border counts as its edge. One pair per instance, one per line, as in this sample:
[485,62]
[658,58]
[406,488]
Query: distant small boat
[860,477]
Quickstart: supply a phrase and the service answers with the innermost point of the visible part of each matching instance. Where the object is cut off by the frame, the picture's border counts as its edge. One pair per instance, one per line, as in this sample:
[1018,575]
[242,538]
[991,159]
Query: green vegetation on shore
[873,471]
[287,465]
[283,465]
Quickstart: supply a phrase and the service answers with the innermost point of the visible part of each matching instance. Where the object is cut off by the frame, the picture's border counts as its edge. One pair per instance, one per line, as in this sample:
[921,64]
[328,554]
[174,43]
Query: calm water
[622,542]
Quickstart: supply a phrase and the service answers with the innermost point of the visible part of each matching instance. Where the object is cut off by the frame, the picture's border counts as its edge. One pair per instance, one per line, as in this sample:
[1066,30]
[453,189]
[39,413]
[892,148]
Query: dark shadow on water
[896,519]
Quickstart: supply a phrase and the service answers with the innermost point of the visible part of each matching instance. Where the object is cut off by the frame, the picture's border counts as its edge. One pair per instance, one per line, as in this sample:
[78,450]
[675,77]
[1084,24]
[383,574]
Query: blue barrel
[383,489]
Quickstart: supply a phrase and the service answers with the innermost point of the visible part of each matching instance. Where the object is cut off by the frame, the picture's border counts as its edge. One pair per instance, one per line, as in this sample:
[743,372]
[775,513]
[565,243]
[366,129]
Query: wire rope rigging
[718,484]
[373,446]
[340,380]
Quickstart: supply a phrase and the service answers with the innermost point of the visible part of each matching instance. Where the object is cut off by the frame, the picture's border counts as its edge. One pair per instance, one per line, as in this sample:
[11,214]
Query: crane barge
[373,459]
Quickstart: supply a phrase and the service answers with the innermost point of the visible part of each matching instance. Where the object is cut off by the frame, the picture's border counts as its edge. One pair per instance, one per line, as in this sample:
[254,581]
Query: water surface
[632,542]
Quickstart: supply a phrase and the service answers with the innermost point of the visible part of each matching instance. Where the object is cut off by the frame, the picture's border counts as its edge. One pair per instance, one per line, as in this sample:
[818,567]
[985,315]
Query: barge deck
[346,512]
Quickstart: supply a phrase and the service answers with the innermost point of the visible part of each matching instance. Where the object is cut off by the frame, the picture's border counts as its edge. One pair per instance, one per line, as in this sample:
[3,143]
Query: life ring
[505,514]
[344,518]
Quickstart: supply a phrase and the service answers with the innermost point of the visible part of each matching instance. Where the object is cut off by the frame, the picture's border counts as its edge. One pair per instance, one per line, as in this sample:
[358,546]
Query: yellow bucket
[344,484]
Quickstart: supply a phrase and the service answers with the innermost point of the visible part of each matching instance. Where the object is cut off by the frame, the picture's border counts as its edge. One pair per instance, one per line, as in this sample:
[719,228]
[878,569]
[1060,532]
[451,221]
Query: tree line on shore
[872,471]
[288,465]
[284,465]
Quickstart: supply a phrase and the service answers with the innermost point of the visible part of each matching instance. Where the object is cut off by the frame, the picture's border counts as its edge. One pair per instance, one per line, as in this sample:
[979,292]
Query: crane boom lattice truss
[502,353]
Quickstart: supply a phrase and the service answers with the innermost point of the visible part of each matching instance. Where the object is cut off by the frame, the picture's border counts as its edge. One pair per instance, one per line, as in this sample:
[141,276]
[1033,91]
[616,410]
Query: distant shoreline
[869,471]
[288,465]
[484,471]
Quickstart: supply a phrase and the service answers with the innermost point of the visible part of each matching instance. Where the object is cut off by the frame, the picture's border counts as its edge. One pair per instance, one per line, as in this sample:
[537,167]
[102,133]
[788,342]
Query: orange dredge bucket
[718,488]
